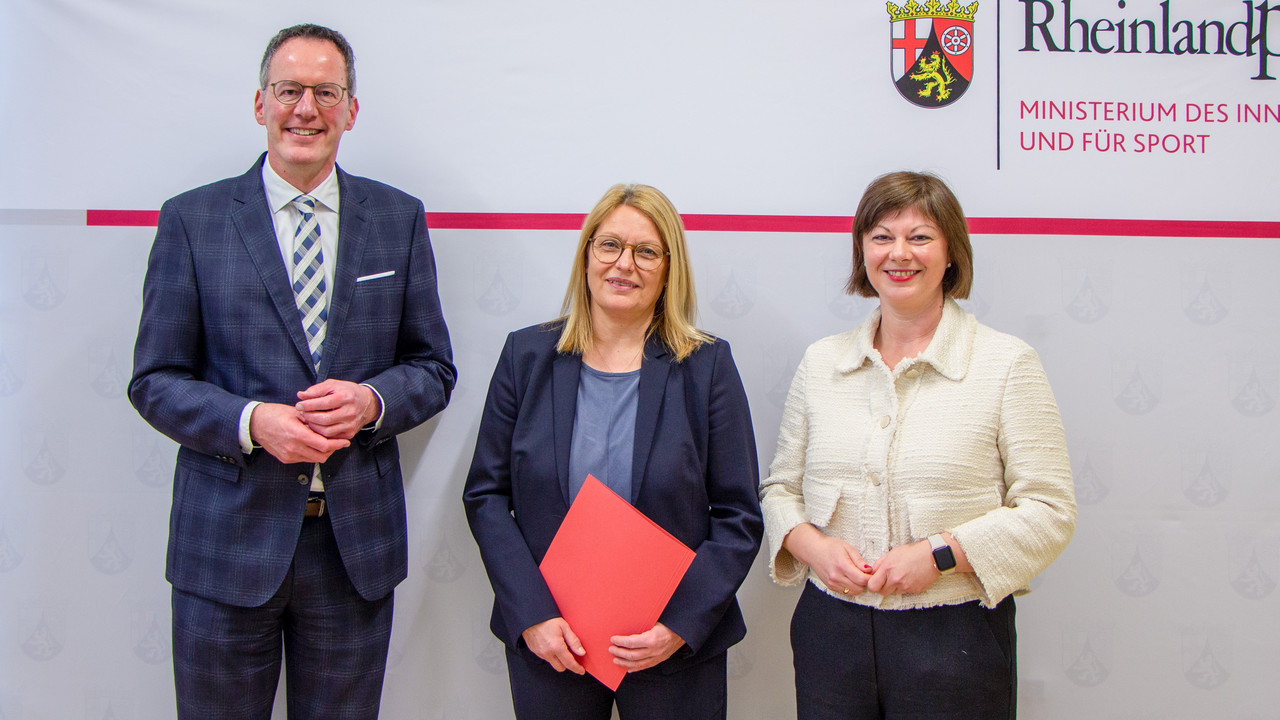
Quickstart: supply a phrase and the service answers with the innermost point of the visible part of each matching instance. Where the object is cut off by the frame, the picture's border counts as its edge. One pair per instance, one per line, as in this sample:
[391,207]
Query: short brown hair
[310,32]
[673,318]
[925,193]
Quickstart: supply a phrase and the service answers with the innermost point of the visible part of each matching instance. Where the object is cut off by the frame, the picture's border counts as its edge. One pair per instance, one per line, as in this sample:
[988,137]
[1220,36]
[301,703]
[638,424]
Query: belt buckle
[316,506]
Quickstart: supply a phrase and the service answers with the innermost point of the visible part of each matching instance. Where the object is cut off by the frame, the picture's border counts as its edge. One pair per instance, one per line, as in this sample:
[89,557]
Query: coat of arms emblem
[931,50]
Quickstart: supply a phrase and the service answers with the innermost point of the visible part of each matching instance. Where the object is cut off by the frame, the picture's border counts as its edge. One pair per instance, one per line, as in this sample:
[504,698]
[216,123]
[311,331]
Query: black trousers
[697,691]
[852,662]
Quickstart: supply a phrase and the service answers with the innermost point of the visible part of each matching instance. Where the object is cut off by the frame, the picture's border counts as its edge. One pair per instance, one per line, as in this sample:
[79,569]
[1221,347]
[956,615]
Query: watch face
[944,559]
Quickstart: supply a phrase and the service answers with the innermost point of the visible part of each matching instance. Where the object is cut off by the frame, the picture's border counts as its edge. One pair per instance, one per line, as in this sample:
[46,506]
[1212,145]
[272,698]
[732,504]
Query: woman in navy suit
[625,388]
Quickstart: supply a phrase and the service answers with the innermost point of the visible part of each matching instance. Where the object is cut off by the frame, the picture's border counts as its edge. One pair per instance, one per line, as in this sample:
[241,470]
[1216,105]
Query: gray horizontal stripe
[41,217]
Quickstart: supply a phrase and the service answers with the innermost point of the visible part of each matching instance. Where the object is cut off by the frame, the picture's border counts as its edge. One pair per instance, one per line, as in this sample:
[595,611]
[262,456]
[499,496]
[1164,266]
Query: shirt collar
[948,352]
[280,193]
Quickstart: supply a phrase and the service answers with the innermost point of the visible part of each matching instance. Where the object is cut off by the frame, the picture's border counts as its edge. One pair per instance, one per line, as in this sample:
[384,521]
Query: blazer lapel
[654,369]
[252,220]
[353,229]
[564,403]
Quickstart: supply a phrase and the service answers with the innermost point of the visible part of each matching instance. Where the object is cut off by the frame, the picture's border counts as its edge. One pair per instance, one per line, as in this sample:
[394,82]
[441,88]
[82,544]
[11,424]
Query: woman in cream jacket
[921,480]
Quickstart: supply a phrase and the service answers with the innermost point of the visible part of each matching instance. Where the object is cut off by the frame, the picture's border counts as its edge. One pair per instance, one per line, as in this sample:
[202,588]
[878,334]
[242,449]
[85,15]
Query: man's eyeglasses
[608,249]
[289,92]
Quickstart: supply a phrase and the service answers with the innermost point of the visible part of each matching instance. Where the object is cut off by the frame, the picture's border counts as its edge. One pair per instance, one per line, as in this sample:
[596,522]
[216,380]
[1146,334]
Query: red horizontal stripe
[769,223]
[505,221]
[802,224]
[1124,228]
[122,218]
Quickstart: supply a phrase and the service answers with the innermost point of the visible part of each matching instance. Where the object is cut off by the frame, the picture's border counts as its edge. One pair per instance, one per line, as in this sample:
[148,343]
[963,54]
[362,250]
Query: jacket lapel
[564,403]
[252,220]
[353,229]
[654,369]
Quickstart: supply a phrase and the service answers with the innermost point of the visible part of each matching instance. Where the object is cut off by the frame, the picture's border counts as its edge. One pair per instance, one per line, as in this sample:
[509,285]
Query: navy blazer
[220,327]
[694,473]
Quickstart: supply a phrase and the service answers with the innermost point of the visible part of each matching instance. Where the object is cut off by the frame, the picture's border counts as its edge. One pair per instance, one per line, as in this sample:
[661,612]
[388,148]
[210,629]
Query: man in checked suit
[290,330]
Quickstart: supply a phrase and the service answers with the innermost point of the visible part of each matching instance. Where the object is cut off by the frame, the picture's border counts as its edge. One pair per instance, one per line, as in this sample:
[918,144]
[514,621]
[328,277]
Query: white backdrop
[1159,336]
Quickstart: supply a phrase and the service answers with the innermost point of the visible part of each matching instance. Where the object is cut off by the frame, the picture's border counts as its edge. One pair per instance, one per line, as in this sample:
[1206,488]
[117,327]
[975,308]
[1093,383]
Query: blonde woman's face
[621,289]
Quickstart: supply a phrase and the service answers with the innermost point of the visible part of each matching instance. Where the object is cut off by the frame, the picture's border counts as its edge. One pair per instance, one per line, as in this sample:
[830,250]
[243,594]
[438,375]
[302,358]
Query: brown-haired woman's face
[906,257]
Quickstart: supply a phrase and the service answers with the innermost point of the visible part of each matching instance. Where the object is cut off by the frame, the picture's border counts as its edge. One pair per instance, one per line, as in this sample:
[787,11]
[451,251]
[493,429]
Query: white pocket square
[375,276]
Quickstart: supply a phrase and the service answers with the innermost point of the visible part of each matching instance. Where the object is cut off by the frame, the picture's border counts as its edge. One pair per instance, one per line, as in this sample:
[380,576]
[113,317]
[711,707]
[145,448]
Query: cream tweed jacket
[965,438]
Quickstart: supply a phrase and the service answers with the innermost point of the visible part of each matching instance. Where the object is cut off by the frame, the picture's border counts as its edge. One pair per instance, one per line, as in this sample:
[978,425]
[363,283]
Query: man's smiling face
[302,139]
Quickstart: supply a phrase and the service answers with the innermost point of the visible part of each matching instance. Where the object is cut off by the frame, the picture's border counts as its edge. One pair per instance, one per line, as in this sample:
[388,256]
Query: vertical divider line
[998,46]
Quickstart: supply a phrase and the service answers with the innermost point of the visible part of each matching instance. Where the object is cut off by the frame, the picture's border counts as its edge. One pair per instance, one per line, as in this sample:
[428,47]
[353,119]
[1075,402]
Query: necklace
[597,360]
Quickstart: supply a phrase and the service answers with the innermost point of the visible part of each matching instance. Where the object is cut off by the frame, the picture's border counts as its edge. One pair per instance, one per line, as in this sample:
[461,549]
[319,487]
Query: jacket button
[912,373]
[884,421]
[304,479]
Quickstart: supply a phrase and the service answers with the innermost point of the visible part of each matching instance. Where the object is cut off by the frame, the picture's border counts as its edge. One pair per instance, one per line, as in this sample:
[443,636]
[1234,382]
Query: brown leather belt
[315,507]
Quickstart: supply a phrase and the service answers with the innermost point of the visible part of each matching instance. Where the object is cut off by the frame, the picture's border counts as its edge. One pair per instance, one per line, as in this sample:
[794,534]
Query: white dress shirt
[286,218]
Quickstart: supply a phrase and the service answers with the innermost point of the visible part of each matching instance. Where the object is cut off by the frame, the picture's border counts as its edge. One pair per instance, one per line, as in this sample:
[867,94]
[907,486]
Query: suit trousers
[952,662]
[694,692]
[226,659]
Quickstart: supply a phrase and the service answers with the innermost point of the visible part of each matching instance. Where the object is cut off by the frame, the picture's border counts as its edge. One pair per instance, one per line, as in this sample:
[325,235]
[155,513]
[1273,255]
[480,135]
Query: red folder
[611,571]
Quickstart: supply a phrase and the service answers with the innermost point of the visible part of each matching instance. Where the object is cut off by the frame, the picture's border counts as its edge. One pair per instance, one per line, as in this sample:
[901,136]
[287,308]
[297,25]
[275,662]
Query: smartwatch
[943,558]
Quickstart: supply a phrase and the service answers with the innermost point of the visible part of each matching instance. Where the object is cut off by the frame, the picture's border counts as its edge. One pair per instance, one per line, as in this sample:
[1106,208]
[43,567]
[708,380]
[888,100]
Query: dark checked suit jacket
[694,473]
[220,327]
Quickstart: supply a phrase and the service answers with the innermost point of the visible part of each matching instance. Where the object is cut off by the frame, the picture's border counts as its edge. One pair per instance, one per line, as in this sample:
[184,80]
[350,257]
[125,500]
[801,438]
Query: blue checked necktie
[308,277]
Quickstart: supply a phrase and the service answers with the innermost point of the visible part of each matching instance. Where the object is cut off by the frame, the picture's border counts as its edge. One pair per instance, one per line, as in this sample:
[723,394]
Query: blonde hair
[925,193]
[677,306]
